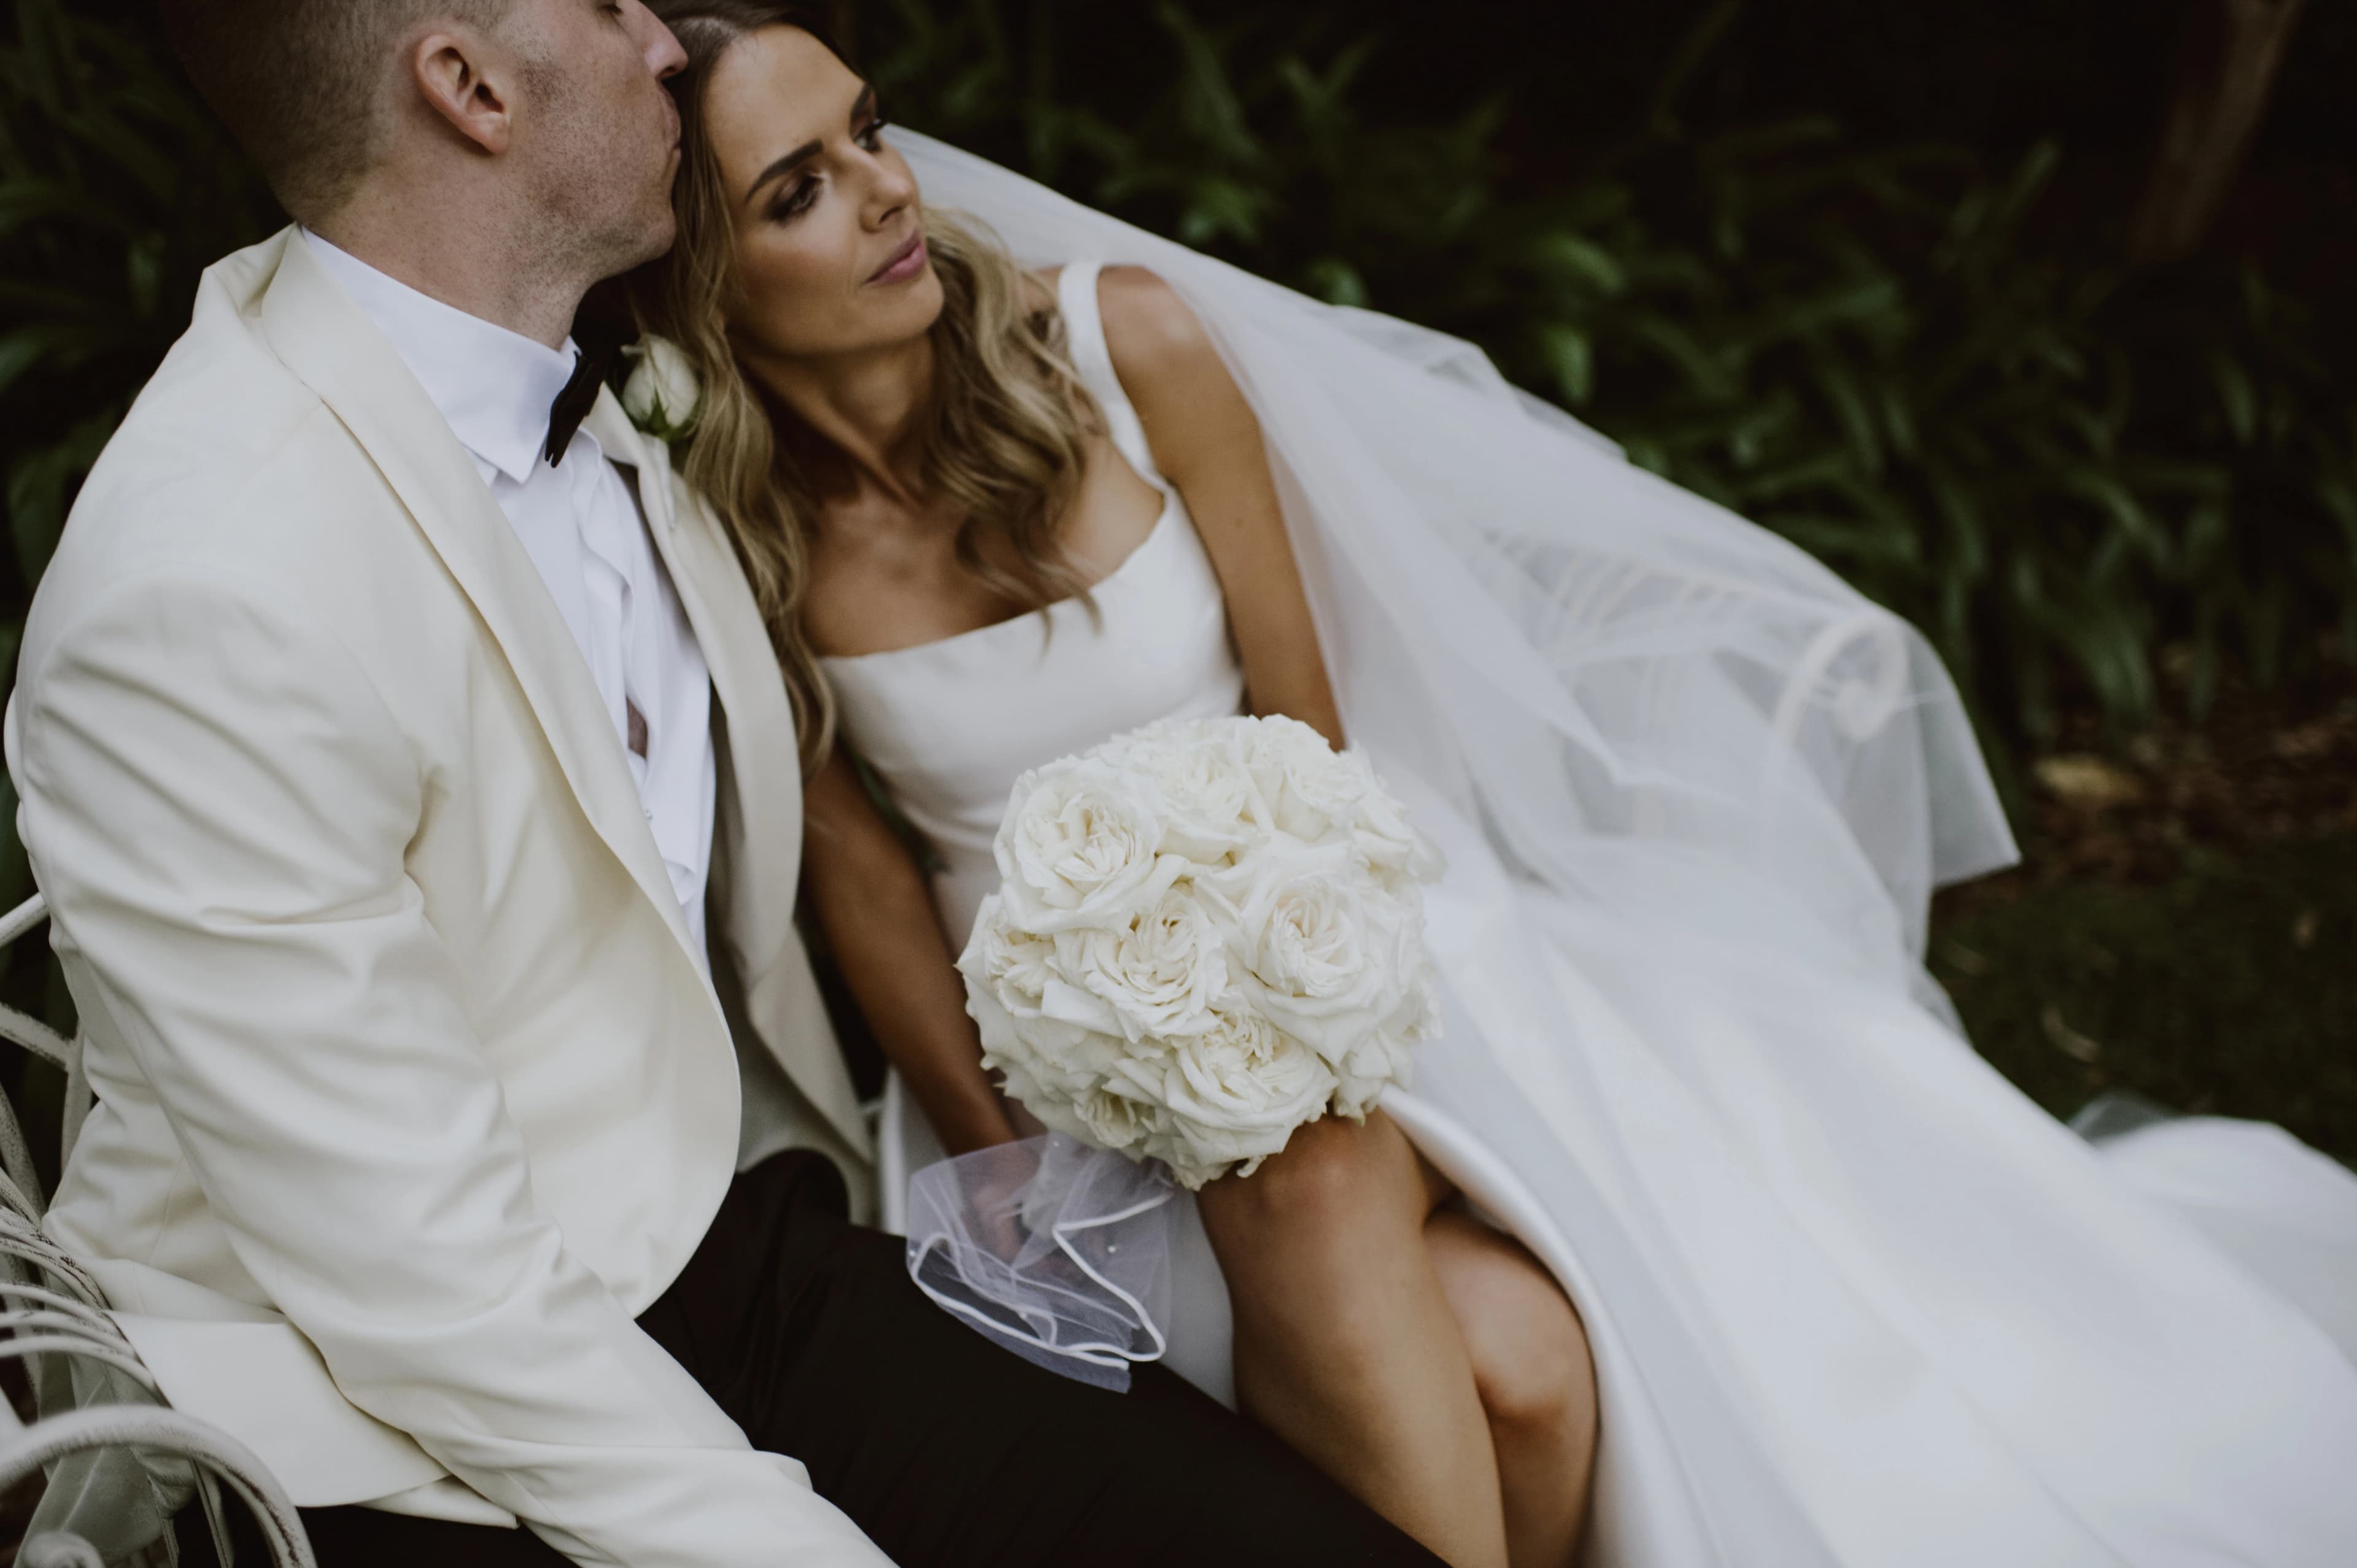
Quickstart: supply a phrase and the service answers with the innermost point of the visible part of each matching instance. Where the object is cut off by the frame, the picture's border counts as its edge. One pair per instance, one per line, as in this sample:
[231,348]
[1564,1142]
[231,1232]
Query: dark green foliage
[2228,990]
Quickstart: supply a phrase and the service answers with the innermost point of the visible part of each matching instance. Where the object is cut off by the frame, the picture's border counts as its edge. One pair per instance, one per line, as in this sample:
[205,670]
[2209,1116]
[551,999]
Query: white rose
[1115,1120]
[1079,847]
[1160,974]
[1312,792]
[1014,964]
[1234,1094]
[1311,936]
[1049,1064]
[1398,853]
[1212,808]
[1314,937]
[1405,1016]
[663,396]
[1023,1010]
[1374,1064]
[1384,1057]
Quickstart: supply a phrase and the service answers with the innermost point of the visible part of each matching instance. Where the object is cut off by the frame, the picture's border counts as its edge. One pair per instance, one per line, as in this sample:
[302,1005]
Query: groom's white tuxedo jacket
[412,1092]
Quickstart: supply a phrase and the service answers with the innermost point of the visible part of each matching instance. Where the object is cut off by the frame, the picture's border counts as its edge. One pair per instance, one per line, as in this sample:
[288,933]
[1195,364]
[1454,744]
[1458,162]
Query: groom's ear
[466,88]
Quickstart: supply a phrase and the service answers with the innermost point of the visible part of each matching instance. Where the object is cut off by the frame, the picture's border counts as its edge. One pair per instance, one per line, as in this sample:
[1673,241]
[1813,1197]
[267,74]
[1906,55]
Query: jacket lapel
[324,338]
[761,824]
[764,764]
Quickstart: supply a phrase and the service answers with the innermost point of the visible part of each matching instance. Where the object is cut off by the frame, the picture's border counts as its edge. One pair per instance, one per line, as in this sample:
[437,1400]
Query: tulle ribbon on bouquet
[1058,1251]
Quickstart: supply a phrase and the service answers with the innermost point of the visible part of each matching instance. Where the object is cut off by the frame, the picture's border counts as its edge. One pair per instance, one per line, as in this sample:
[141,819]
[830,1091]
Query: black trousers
[945,1449]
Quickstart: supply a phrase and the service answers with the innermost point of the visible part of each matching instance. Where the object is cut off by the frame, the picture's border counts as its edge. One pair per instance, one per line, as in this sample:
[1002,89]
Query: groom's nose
[656,42]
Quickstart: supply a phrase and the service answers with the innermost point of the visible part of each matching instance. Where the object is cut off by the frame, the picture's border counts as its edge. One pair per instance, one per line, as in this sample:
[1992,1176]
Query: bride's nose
[891,189]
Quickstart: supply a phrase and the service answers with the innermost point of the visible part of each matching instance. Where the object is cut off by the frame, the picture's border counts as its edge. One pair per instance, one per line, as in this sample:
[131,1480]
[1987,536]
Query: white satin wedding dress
[1854,1300]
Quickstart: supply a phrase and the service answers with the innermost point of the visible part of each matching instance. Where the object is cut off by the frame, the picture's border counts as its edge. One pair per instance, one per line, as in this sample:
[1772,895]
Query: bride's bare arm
[871,900]
[1207,441]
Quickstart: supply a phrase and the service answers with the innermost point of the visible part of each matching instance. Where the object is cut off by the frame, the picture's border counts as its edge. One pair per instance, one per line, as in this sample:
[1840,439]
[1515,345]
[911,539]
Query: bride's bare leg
[1537,1384]
[1346,1346]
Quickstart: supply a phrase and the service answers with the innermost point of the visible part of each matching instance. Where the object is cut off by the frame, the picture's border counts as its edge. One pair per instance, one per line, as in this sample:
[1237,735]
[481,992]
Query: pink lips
[907,263]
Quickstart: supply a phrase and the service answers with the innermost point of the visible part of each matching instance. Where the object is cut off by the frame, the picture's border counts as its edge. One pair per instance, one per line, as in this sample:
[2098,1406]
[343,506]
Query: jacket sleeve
[217,802]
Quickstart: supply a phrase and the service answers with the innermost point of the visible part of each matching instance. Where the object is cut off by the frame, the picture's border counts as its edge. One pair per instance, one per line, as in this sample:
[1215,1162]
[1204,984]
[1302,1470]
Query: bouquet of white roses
[1208,933]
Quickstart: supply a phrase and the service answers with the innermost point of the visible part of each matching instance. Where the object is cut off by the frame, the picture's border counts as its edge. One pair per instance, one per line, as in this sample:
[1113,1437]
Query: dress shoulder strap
[1084,339]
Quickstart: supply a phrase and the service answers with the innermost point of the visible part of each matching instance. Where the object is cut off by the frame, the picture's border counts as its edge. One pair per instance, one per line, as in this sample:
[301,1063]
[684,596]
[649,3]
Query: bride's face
[830,241]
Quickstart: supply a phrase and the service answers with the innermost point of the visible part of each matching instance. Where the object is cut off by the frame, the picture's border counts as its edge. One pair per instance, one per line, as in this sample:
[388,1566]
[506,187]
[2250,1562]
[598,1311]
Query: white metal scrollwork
[51,1308]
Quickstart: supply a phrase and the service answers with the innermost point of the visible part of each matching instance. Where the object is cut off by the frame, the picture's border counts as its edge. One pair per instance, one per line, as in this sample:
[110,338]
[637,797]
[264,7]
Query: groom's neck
[480,256]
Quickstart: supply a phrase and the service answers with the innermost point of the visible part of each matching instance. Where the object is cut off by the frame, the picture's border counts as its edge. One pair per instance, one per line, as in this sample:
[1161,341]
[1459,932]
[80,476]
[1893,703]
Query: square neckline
[1111,579]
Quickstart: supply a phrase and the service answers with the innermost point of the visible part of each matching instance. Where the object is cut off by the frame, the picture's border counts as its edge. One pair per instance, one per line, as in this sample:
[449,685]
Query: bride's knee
[1531,1359]
[1544,1386]
[1334,1182]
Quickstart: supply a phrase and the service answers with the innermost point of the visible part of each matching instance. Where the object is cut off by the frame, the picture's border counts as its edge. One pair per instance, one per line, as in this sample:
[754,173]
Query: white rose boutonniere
[663,397]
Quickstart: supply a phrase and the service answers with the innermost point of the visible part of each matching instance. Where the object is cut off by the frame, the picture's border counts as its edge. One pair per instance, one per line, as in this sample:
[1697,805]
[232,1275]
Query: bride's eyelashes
[796,201]
[803,196]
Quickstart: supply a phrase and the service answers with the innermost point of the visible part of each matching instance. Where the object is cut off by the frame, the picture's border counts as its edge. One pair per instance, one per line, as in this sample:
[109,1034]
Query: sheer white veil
[1644,699]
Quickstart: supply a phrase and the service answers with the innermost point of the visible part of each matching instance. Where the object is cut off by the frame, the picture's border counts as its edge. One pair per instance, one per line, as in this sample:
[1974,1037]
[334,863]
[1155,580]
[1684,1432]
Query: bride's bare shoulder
[1195,415]
[1172,370]
[1150,330]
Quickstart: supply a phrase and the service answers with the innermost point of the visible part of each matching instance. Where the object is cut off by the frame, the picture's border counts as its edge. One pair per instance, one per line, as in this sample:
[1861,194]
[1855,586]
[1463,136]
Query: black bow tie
[573,403]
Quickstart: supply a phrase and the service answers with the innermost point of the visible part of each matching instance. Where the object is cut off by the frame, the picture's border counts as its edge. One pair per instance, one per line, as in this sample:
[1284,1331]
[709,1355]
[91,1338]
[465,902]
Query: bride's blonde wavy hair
[1006,430]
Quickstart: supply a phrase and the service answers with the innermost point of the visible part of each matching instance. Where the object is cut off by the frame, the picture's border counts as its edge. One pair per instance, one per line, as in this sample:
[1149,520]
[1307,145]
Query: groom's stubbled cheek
[596,132]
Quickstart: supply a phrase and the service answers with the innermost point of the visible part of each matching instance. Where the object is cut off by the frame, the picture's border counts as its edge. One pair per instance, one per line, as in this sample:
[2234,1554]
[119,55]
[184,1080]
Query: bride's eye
[872,137]
[797,201]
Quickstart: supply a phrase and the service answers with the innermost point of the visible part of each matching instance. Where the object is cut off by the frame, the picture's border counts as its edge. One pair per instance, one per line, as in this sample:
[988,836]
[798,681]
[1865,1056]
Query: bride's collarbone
[886,577]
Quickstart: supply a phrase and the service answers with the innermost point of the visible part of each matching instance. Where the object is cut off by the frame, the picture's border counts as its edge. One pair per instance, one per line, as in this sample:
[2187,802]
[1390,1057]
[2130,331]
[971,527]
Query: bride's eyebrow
[861,109]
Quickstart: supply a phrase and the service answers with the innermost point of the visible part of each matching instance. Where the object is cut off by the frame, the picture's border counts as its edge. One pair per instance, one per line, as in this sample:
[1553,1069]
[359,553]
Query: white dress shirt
[581,525]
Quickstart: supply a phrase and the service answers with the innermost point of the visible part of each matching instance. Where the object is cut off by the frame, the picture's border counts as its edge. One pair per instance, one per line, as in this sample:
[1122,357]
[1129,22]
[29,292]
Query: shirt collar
[494,386]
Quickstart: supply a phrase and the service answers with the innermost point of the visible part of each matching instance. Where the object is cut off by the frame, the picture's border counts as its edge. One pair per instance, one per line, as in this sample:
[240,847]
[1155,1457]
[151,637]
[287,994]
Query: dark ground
[2184,925]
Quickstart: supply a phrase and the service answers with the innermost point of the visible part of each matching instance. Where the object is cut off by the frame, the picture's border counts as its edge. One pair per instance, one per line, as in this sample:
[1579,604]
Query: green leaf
[1897,418]
[2029,180]
[1220,208]
[1206,99]
[1576,260]
[1337,281]
[1571,357]
[1966,528]
[2237,396]
[1848,403]
[19,352]
[1830,471]
[2104,490]
[1843,541]
[1706,371]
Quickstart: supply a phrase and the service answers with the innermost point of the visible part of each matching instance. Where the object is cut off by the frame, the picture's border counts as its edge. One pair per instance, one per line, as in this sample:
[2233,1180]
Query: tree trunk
[2224,76]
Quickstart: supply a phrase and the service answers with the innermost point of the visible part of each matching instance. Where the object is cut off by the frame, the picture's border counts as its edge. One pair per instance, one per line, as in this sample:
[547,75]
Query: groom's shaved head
[301,84]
